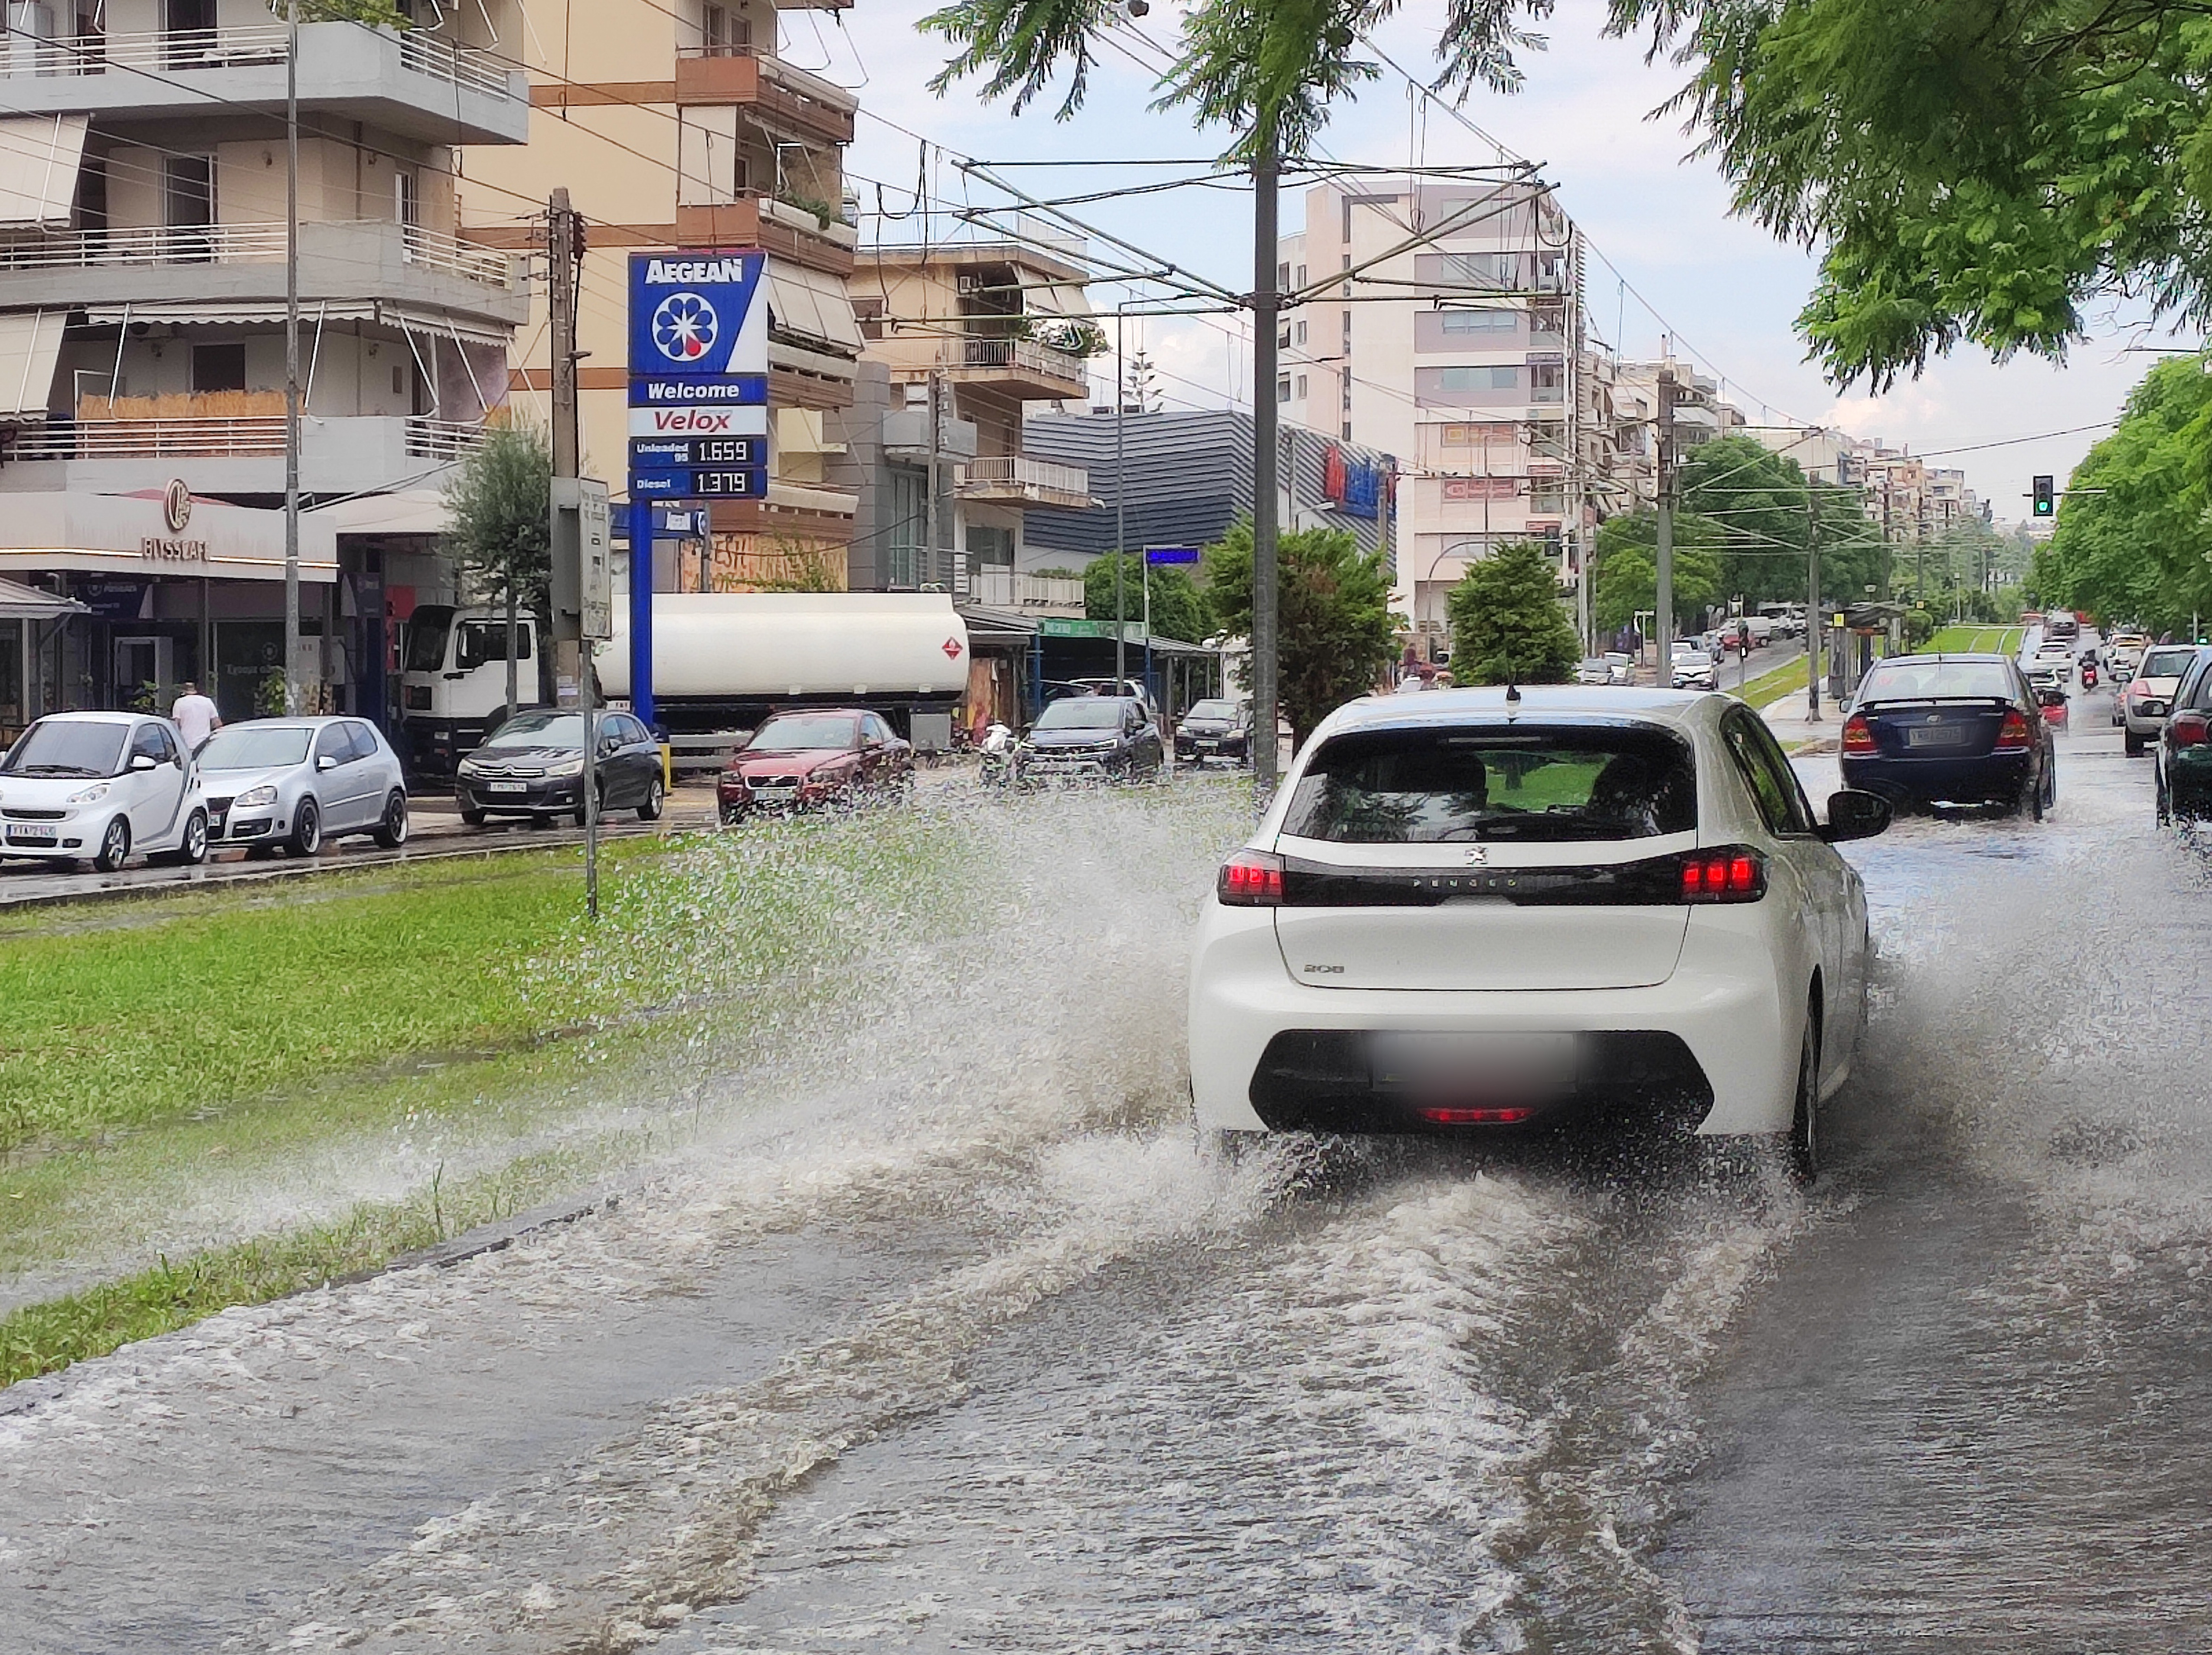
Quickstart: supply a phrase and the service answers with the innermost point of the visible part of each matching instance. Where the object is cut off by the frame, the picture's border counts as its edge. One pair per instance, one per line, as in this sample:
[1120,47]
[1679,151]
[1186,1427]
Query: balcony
[1018,479]
[773,227]
[229,263]
[413,83]
[805,106]
[1033,371]
[1003,589]
[241,454]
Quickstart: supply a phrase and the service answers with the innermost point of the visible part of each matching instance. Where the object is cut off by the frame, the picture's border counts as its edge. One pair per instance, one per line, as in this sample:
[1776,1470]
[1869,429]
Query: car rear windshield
[1082,712]
[1926,681]
[796,735]
[253,747]
[2167,663]
[67,747]
[1496,782]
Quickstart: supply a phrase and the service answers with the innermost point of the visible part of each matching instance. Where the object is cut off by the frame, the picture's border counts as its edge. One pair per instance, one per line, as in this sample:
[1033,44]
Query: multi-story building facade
[980,332]
[142,281]
[1464,354]
[677,123]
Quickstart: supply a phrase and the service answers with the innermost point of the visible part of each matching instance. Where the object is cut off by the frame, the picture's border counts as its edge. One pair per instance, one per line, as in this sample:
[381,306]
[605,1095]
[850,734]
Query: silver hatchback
[297,782]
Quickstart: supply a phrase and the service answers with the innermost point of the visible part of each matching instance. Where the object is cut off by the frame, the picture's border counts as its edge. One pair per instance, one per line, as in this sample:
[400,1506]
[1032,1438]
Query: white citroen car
[1468,911]
[99,787]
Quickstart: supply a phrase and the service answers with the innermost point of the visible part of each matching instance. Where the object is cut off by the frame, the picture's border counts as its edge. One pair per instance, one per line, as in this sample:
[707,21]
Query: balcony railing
[233,243]
[1025,355]
[1004,589]
[1018,473]
[183,49]
[243,437]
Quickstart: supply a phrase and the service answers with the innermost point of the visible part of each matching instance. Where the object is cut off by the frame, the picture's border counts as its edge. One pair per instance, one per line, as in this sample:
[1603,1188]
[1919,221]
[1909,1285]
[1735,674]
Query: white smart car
[1471,911]
[99,786]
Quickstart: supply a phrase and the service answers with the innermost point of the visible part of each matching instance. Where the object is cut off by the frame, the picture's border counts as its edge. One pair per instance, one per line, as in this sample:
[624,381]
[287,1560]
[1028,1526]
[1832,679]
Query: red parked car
[812,757]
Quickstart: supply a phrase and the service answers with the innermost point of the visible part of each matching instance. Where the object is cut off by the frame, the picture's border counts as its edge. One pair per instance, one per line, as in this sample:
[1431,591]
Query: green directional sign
[1061,626]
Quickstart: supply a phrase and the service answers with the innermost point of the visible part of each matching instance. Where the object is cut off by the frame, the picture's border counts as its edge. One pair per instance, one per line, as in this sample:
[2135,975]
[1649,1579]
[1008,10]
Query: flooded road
[943,1337]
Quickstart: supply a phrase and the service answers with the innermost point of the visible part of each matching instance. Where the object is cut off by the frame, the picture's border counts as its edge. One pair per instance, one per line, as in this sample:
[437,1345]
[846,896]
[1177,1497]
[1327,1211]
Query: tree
[2138,551]
[1333,630]
[1977,173]
[1626,581]
[383,13]
[1507,623]
[1178,611]
[500,500]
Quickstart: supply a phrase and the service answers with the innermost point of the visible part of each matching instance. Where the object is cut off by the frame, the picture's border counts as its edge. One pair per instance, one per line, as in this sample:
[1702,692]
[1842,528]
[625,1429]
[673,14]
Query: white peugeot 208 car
[1489,908]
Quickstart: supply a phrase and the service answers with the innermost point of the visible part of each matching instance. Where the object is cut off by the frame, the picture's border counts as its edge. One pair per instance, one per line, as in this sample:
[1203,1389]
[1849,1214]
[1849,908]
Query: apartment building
[143,278]
[1464,355]
[678,124]
[974,335]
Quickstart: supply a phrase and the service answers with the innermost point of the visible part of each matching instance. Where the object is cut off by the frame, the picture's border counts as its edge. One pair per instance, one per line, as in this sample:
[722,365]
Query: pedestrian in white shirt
[194,715]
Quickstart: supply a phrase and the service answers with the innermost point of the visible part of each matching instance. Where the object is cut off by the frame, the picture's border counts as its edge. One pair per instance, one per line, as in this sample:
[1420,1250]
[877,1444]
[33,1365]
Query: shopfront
[164,589]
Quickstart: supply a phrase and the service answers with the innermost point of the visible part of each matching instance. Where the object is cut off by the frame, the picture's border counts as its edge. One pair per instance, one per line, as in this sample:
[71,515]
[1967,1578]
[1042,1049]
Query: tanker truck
[722,661]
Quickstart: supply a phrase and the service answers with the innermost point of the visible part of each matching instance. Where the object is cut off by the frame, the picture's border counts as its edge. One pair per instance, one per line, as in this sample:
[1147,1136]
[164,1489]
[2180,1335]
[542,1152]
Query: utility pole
[1121,498]
[294,699]
[929,570]
[1665,619]
[561,244]
[1265,305]
[1813,629]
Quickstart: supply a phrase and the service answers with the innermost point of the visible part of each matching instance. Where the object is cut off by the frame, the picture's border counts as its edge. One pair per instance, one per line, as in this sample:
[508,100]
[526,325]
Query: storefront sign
[698,329]
[165,549]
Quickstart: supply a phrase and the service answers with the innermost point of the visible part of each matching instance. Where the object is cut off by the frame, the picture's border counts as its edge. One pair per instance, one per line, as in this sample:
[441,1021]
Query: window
[188,204]
[869,313]
[1347,430]
[903,536]
[1504,378]
[1547,382]
[154,742]
[1468,269]
[1283,389]
[1284,338]
[1302,333]
[1302,275]
[406,201]
[1302,386]
[1282,276]
[1347,280]
[1773,785]
[92,199]
[1463,321]
[722,33]
[333,744]
[1525,782]
[1346,205]
[219,368]
[875,728]
[486,641]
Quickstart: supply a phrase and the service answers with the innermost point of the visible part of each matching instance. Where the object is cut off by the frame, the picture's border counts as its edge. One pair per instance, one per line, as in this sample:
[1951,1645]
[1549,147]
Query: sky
[1672,260]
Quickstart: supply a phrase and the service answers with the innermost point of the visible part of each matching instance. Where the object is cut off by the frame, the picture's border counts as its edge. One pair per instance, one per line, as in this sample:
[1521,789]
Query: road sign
[1171,554]
[583,579]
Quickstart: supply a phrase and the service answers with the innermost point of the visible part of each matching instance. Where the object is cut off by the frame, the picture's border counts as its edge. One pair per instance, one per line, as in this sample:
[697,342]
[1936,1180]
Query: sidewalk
[1798,734]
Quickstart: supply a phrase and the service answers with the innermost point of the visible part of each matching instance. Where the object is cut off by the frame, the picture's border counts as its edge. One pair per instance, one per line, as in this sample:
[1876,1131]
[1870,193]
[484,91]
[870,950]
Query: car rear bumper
[1723,1004]
[2188,781]
[1996,777]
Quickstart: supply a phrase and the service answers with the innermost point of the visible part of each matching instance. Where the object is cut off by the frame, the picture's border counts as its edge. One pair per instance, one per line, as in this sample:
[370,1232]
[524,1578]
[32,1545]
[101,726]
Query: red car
[812,757]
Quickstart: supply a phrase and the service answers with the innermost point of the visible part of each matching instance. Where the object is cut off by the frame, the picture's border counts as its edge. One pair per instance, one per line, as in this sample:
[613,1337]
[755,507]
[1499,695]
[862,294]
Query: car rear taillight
[1858,735]
[2190,729]
[1731,874]
[1251,879]
[1512,1117]
[2013,736]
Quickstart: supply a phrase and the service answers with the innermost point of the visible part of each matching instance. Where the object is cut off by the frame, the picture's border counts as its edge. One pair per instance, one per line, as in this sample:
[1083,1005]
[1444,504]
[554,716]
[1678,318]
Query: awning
[409,318]
[40,158]
[30,345]
[813,305]
[19,602]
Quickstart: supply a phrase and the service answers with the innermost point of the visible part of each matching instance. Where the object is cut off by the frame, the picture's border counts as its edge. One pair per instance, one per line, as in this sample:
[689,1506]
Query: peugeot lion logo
[685,327]
[176,506]
[1478,855]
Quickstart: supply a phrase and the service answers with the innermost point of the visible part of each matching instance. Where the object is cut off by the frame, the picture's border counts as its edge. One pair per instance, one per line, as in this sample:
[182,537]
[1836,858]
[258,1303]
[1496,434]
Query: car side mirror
[327,761]
[1855,814]
[2051,698]
[143,761]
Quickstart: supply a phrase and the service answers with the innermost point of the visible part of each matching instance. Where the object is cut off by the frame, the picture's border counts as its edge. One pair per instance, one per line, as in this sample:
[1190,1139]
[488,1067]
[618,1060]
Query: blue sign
[674,453]
[702,318]
[732,482]
[1171,554]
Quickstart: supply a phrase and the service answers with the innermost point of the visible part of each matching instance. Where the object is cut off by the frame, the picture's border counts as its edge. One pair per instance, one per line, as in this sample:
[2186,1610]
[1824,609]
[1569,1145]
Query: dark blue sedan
[1951,730]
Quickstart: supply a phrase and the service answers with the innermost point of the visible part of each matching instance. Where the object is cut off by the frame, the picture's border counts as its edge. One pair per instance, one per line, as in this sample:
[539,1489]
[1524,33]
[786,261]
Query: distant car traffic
[804,760]
[99,787]
[2061,623]
[2184,779]
[300,782]
[1092,738]
[2149,694]
[533,765]
[1465,914]
[1951,730]
[1692,667]
[1214,730]
[1593,669]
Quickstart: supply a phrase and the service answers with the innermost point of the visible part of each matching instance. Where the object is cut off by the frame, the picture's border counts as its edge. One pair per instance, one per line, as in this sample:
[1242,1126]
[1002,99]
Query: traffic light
[2046,498]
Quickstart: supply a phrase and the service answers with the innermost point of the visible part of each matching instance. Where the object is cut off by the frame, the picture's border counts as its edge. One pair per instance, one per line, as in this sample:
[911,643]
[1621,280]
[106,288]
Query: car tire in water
[2134,744]
[1805,1135]
[391,831]
[655,795]
[114,846]
[307,830]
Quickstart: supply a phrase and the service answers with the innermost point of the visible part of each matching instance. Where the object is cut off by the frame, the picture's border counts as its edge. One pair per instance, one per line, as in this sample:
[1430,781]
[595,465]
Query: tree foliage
[1763,506]
[1626,581]
[2139,551]
[1178,611]
[1507,624]
[1334,632]
[501,499]
[382,13]
[1975,172]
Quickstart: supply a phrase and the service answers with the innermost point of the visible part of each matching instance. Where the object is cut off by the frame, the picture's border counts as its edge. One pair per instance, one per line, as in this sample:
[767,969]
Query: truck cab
[453,680]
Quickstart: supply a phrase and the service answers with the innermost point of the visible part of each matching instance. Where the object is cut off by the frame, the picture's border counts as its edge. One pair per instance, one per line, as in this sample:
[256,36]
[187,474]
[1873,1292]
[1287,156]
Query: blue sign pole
[641,608]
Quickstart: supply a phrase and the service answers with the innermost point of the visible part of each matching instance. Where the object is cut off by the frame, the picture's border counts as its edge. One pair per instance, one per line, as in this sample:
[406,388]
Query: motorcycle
[997,769]
[2088,675]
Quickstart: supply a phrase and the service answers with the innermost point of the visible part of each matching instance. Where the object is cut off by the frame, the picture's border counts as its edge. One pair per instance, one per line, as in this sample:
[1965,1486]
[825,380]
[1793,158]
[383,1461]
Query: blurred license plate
[506,787]
[1456,1063]
[33,835]
[1936,735]
[1209,747]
